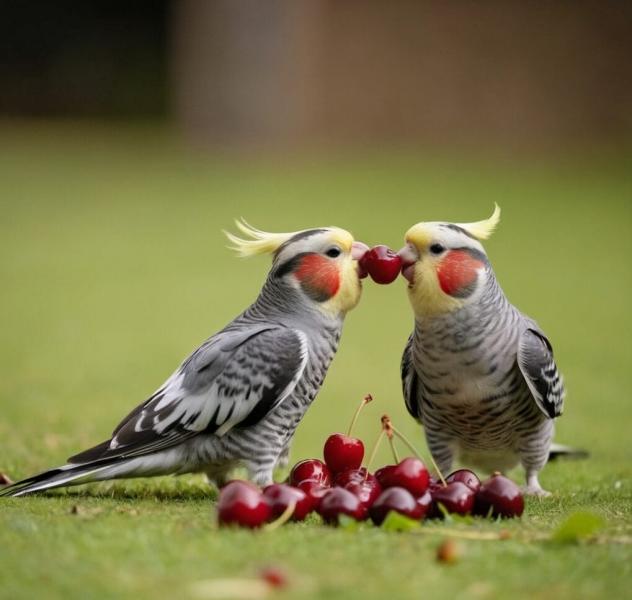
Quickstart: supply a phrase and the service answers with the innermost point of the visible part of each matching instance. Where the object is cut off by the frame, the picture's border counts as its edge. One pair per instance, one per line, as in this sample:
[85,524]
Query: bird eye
[333,252]
[437,248]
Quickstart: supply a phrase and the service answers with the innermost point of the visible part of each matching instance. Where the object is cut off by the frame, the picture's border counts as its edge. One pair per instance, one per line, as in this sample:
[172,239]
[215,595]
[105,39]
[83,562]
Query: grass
[113,269]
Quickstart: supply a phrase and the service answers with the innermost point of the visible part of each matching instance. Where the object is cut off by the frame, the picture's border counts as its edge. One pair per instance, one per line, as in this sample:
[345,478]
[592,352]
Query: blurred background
[132,133]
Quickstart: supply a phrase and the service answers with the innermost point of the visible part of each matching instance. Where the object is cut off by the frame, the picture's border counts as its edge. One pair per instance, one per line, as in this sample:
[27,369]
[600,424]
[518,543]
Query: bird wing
[232,380]
[536,362]
[410,381]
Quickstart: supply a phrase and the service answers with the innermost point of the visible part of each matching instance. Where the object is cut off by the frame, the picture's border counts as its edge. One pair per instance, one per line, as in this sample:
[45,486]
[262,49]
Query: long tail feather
[60,476]
[561,451]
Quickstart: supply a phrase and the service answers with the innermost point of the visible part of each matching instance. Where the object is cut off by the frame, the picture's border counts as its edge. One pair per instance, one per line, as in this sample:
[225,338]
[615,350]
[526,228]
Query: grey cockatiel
[240,396]
[477,373]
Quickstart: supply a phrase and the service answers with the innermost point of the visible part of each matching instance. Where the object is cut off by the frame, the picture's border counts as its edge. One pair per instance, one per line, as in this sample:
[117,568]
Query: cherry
[358,475]
[382,263]
[425,502]
[367,491]
[398,499]
[311,468]
[343,452]
[241,503]
[501,495]
[339,501]
[456,497]
[314,491]
[383,474]
[467,477]
[410,473]
[274,576]
[279,496]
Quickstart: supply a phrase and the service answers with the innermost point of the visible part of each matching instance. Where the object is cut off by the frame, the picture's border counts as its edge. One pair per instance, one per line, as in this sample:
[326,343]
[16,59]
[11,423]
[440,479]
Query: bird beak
[409,256]
[358,250]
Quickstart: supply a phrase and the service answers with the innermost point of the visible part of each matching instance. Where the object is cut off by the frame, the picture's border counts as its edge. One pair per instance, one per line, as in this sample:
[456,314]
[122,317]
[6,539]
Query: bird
[478,374]
[239,397]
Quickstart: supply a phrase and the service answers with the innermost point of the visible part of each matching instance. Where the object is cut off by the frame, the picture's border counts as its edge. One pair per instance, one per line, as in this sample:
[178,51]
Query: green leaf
[578,526]
[347,523]
[397,522]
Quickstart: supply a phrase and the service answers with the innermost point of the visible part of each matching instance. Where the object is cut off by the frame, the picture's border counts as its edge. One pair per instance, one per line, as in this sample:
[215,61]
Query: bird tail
[61,476]
[560,451]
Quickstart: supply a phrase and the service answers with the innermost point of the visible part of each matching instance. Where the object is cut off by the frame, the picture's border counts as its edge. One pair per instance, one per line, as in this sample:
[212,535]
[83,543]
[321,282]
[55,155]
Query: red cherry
[397,499]
[343,452]
[314,491]
[425,502]
[410,473]
[279,496]
[339,501]
[358,475]
[241,503]
[367,491]
[383,474]
[382,263]
[467,477]
[274,576]
[312,468]
[456,497]
[500,494]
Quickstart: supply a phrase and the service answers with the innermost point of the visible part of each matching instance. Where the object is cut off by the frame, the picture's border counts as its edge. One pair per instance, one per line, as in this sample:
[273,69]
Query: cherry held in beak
[382,264]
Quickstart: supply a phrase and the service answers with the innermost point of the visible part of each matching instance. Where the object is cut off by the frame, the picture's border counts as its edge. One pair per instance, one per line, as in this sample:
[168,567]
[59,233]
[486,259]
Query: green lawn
[113,268]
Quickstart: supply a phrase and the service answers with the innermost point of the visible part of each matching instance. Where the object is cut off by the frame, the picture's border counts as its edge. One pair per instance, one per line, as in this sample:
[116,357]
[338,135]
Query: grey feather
[230,380]
[535,359]
[410,381]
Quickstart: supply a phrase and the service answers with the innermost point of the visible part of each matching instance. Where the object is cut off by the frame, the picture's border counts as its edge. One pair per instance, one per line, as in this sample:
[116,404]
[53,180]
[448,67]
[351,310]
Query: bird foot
[535,490]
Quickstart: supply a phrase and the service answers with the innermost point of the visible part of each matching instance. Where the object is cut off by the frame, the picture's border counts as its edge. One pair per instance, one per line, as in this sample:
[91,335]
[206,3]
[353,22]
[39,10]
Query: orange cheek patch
[457,271]
[319,277]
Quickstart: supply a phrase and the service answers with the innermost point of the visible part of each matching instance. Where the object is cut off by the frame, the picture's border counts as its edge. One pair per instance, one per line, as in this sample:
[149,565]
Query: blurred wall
[326,70]
[73,57]
[320,71]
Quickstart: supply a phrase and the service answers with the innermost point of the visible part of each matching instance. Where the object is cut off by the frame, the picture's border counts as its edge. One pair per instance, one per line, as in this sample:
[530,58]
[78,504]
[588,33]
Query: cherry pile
[341,486]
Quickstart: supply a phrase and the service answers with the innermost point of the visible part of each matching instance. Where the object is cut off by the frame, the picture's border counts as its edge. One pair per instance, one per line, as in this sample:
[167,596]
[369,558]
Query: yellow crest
[256,241]
[481,230]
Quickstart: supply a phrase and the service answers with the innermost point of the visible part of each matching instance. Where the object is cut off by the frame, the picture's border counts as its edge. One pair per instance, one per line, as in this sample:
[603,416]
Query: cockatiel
[477,373]
[240,396]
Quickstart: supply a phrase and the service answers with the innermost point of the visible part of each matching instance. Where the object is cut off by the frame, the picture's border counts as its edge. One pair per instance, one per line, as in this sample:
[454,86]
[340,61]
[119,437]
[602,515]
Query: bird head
[446,264]
[321,263]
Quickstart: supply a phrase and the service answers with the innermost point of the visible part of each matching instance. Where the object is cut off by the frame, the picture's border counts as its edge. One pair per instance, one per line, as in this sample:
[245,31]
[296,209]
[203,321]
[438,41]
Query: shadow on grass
[160,489]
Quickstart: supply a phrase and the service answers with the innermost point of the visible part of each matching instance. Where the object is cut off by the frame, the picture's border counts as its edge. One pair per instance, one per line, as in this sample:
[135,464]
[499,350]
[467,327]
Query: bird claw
[533,490]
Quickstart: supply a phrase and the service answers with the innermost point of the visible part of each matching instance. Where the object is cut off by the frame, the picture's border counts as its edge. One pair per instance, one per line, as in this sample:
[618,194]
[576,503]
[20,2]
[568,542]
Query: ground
[113,268]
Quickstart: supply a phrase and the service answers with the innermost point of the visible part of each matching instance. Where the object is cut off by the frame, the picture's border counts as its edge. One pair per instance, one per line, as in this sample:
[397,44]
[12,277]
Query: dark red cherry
[311,468]
[397,499]
[339,501]
[410,473]
[241,503]
[425,502]
[279,496]
[314,491]
[467,477]
[456,497]
[343,452]
[501,496]
[383,475]
[367,491]
[359,475]
[382,264]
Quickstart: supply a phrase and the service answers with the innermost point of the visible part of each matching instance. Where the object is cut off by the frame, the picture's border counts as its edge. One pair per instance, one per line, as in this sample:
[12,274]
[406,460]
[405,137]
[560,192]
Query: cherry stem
[365,400]
[403,438]
[387,426]
[283,518]
[374,451]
